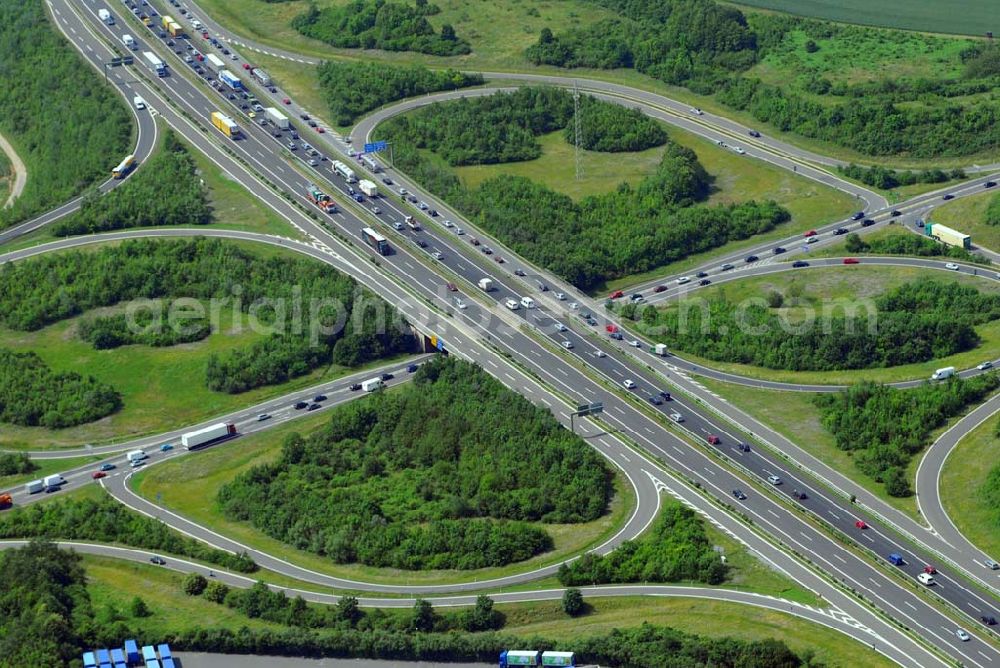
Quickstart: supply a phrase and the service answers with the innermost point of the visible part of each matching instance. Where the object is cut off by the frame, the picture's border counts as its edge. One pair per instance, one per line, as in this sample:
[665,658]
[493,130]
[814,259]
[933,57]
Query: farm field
[960,17]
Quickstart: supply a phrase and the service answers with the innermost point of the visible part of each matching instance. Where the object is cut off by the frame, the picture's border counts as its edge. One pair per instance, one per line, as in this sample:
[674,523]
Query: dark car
[743,447]
[355,387]
[754,133]
[51,488]
[800,263]
[840,230]
[433,213]
[800,494]
[656,400]
[665,395]
[387,376]
[989,620]
[751,258]
[867,222]
[107,467]
[738,493]
[319,397]
[304,117]
[990,184]
[313,407]
[660,288]
[300,405]
[617,336]
[703,282]
[159,561]
[412,368]
[777,250]
[701,274]
[420,242]
[858,216]
[947,197]
[896,213]
[386,180]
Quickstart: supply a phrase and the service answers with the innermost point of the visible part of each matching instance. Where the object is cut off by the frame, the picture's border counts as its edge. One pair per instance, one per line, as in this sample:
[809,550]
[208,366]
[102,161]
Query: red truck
[320,199]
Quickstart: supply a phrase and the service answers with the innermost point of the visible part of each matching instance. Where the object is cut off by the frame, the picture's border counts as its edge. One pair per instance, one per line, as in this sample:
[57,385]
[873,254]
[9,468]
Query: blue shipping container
[152,663]
[120,665]
[103,656]
[148,653]
[164,651]
[117,656]
[131,652]
[168,663]
[88,660]
[105,665]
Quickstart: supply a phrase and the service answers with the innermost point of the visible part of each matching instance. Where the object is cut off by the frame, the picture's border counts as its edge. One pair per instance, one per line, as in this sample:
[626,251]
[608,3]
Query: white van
[128,41]
[527,302]
[139,102]
[941,374]
[512,304]
[53,480]
[371,384]
[925,579]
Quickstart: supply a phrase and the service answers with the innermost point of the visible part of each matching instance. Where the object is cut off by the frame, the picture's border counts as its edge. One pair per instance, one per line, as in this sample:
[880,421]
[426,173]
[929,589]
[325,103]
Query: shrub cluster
[909,244]
[886,178]
[353,88]
[16,463]
[884,427]
[113,331]
[441,474]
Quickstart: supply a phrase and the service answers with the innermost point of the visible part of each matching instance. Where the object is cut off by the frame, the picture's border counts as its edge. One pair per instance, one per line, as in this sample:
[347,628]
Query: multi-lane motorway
[577,373]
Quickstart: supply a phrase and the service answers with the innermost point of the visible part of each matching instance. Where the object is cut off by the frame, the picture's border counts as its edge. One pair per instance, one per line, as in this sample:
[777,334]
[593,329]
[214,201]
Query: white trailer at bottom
[195,439]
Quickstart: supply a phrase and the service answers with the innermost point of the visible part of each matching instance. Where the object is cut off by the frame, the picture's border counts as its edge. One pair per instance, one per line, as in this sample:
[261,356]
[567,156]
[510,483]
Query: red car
[246,66]
[850,260]
[713,439]
[320,130]
[97,475]
[810,233]
[930,570]
[286,101]
[860,524]
[616,294]
[660,288]
[611,328]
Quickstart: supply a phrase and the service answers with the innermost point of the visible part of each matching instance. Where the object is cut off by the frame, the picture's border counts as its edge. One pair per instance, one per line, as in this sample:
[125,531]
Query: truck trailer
[226,125]
[155,63]
[279,119]
[105,16]
[948,236]
[320,199]
[520,657]
[196,439]
[261,76]
[371,384]
[485,284]
[230,79]
[34,487]
[135,456]
[660,349]
[53,480]
[368,187]
[216,63]
[344,171]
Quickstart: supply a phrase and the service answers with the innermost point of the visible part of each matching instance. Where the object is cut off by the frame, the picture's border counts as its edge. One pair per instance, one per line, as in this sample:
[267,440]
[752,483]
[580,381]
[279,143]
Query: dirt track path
[20,172]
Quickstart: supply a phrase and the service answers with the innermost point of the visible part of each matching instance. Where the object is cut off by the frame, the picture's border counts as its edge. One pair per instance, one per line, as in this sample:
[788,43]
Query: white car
[677,417]
[962,634]
[985,365]
[448,223]
[560,327]
[635,343]
[560,296]
[459,303]
[139,102]
[812,240]
[739,150]
[376,210]
[459,231]
[697,112]
[437,255]
[629,385]
[952,266]
[574,305]
[600,353]
[568,345]
[683,279]
[774,480]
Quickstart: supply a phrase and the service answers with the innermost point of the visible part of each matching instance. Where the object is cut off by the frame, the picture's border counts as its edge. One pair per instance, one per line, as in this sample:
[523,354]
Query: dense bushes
[68,127]
[352,88]
[993,211]
[15,463]
[410,479]
[915,322]
[612,128]
[380,24]
[909,244]
[630,230]
[166,191]
[106,332]
[310,314]
[885,178]
[709,48]
[884,427]
[33,395]
[675,549]
[107,520]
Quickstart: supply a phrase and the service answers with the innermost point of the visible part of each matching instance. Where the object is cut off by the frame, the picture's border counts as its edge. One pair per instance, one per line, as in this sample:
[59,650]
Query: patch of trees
[631,230]
[337,321]
[676,548]
[64,122]
[885,178]
[381,24]
[884,427]
[106,520]
[166,191]
[502,127]
[912,323]
[909,244]
[16,463]
[113,331]
[993,211]
[33,395]
[441,474]
[353,88]
[708,48]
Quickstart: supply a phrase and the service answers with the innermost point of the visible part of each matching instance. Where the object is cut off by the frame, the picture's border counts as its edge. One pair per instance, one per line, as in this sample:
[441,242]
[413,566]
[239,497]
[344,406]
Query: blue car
[412,368]
[107,467]
[166,447]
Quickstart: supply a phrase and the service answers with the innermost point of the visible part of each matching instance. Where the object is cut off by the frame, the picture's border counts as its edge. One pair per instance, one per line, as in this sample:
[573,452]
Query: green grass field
[188,486]
[113,583]
[846,288]
[793,415]
[968,215]
[963,474]
[960,17]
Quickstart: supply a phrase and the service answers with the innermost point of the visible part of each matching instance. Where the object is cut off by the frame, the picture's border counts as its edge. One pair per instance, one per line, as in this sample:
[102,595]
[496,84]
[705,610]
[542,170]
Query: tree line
[886,178]
[914,322]
[33,395]
[884,427]
[114,331]
[43,290]
[909,244]
[709,49]
[108,521]
[627,231]
[67,126]
[444,473]
[675,549]
[381,24]
[353,88]
[166,191]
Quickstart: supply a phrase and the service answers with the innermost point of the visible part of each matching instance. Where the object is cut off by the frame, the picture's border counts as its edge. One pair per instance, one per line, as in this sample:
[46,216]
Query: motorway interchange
[524,349]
